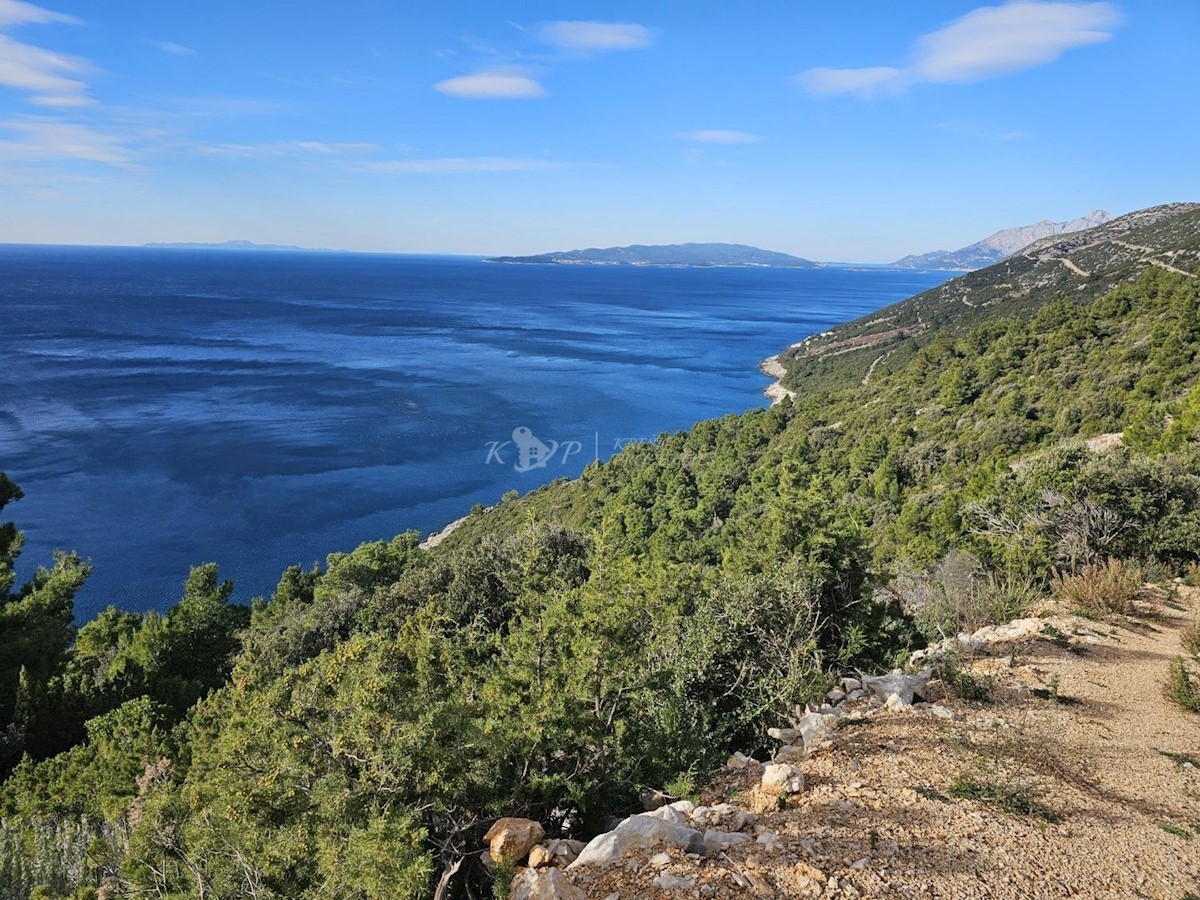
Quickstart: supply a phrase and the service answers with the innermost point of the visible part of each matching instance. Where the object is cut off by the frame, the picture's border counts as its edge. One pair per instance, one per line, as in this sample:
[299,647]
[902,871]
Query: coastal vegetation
[355,735]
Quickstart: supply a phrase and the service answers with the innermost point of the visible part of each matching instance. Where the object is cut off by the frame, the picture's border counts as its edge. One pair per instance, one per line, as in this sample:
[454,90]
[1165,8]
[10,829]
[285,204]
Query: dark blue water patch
[163,408]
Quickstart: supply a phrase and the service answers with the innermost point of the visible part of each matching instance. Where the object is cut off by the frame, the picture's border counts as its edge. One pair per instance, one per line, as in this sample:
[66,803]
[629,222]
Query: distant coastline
[668,255]
[237,245]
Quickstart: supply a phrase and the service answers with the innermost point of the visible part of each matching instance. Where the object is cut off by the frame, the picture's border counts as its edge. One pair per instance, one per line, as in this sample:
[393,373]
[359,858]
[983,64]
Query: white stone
[906,686]
[544,884]
[813,728]
[720,841]
[786,735]
[641,832]
[941,712]
[770,841]
[779,777]
[674,883]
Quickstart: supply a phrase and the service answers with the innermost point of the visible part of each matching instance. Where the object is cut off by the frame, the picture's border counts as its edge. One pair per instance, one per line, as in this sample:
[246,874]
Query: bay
[162,408]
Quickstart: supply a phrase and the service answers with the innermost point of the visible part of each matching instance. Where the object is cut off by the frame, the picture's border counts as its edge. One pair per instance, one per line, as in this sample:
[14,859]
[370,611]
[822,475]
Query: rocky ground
[1076,778]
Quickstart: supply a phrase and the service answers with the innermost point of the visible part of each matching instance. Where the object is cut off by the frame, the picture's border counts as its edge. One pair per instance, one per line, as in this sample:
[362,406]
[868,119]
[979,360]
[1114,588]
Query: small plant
[1012,798]
[873,838]
[1182,686]
[1175,830]
[503,873]
[1100,589]
[684,786]
[964,684]
[1190,638]
[1052,633]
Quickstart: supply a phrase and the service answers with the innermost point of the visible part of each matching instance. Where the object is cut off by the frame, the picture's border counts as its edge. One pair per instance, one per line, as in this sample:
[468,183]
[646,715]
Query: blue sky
[838,131]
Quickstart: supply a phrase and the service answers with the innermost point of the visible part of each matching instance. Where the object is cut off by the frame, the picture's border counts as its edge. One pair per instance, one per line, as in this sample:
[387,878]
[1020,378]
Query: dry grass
[1101,589]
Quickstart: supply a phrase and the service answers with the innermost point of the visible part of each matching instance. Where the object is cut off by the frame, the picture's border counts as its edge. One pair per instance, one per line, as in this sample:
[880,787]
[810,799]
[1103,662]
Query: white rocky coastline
[773,368]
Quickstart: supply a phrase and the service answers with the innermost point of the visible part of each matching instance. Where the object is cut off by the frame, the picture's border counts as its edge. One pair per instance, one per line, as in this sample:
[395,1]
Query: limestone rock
[779,777]
[813,728]
[674,883]
[653,799]
[641,832]
[557,853]
[786,735]
[512,838]
[544,884]
[720,841]
[741,761]
[904,686]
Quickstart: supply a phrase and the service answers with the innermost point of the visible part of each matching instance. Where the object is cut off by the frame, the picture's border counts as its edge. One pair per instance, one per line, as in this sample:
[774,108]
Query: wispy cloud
[985,43]
[722,136]
[270,149]
[492,84]
[596,36]
[981,132]
[173,48]
[49,78]
[455,165]
[17,12]
[866,81]
[40,139]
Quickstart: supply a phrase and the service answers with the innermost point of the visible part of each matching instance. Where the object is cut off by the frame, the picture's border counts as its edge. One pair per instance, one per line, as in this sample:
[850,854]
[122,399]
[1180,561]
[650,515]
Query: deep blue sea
[162,408]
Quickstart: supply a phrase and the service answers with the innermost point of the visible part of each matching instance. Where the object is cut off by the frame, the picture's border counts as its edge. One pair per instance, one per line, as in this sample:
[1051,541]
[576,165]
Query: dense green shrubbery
[354,736]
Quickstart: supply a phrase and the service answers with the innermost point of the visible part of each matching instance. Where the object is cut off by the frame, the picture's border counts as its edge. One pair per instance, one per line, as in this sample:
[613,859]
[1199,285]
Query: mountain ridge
[1000,244]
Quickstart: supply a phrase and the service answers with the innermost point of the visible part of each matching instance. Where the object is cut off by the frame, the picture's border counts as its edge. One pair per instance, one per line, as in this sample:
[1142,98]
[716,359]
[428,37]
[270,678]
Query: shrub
[964,684]
[1100,589]
[961,595]
[1190,639]
[1182,686]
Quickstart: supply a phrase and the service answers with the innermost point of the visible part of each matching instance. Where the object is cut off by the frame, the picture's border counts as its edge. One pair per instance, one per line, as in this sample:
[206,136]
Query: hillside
[1027,441]
[1075,777]
[999,245]
[667,255]
[1082,266]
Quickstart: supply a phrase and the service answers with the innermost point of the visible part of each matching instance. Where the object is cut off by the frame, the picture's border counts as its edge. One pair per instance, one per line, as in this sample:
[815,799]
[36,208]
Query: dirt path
[1090,789]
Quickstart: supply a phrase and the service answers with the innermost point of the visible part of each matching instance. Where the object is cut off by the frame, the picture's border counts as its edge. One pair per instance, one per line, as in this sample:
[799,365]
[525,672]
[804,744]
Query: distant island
[237,245]
[1001,245]
[666,255]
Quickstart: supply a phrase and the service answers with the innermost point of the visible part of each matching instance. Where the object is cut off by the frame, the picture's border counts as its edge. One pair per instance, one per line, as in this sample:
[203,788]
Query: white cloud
[17,12]
[51,79]
[455,165]
[492,84]
[722,136]
[285,148]
[592,36]
[867,81]
[173,48]
[42,139]
[985,43]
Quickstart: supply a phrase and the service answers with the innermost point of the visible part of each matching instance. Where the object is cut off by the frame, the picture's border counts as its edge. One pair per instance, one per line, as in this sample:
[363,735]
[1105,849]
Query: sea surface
[162,408]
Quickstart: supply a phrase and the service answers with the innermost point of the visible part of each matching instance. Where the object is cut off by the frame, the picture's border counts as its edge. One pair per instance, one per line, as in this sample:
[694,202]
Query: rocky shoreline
[773,368]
